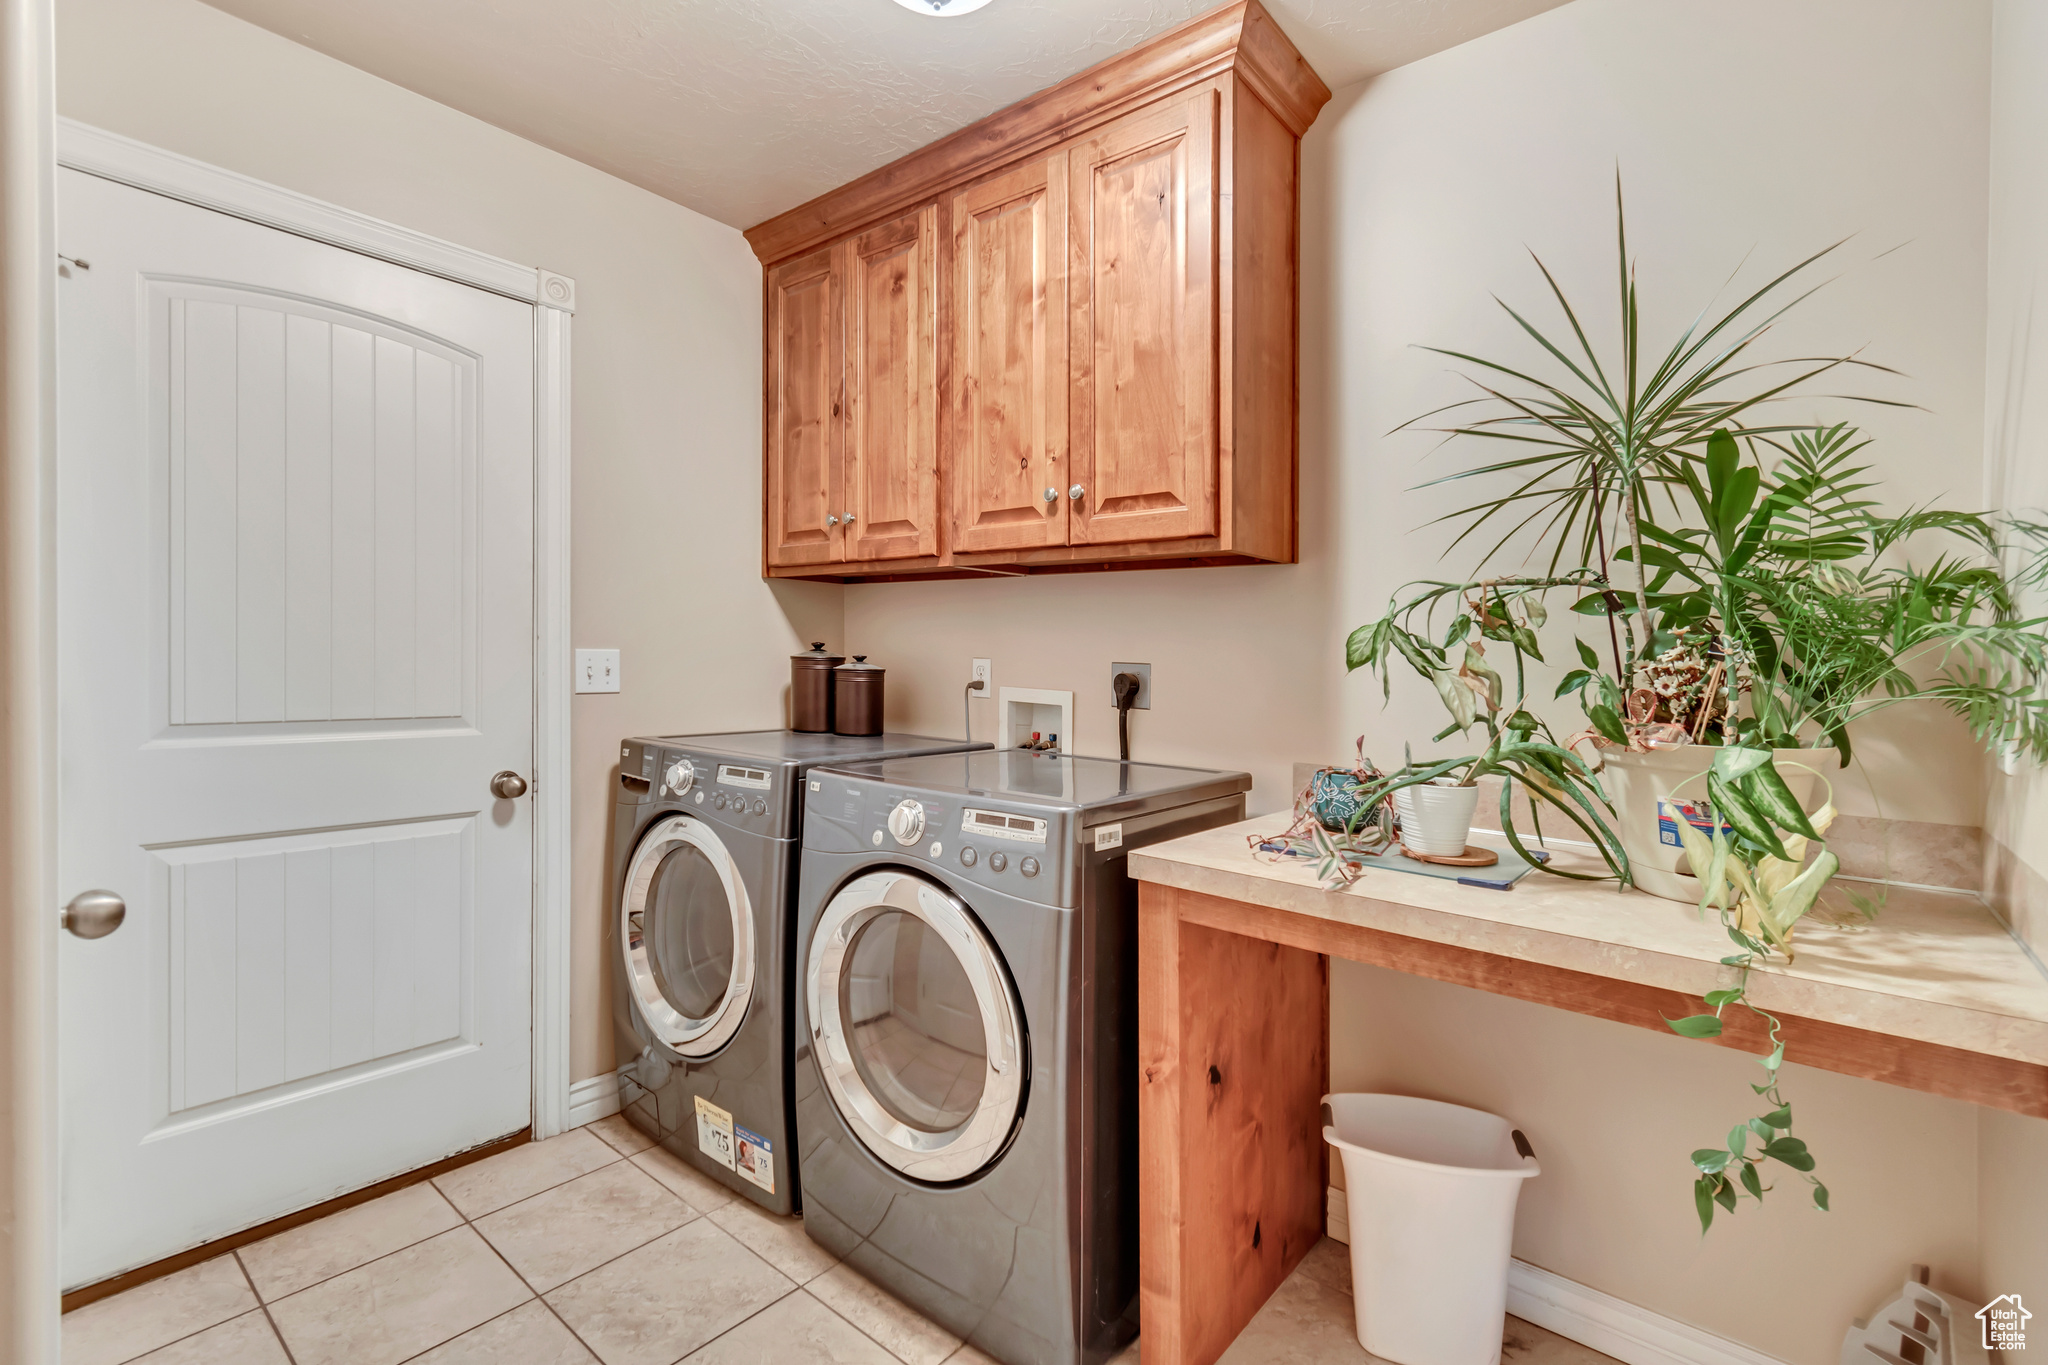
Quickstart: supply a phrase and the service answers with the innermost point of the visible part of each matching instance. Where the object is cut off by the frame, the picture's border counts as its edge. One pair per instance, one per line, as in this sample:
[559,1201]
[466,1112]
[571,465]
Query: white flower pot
[1436,818]
[1635,782]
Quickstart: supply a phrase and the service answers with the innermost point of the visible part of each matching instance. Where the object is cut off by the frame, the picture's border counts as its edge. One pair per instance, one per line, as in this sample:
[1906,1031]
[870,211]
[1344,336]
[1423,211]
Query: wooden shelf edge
[1239,37]
[1933,1068]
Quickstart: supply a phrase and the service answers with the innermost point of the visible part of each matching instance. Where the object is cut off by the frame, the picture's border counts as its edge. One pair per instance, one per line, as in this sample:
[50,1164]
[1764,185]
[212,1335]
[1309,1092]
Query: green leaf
[1738,1140]
[1781,1117]
[1751,1181]
[1724,997]
[1761,1129]
[1791,1151]
[1820,1196]
[1732,806]
[1711,1159]
[1738,761]
[1766,788]
[1724,1193]
[1723,458]
[1607,722]
[1696,1026]
[1587,657]
[1573,681]
[1703,1200]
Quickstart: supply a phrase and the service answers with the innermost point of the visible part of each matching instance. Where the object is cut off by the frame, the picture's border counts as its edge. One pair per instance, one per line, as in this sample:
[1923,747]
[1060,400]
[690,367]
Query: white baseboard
[1578,1313]
[593,1099]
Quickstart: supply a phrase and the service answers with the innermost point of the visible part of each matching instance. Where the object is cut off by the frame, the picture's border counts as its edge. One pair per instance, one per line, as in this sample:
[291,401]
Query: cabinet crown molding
[1239,38]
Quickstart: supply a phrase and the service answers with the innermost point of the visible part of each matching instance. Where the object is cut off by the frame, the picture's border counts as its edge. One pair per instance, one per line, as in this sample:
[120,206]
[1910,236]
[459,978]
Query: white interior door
[295,642]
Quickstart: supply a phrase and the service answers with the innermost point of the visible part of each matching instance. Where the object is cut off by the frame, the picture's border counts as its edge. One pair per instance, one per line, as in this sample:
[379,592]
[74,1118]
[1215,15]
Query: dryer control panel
[734,795]
[1026,853]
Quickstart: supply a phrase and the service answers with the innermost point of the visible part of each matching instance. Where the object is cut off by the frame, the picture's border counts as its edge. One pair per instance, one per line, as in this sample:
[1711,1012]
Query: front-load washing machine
[966,1065]
[701,937]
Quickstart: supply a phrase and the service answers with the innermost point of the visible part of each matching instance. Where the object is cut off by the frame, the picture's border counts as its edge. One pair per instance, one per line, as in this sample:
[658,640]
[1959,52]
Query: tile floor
[598,1246]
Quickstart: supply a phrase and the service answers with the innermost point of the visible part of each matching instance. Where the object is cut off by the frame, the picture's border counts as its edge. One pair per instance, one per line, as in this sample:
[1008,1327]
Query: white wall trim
[88,149]
[593,1099]
[553,1096]
[113,157]
[1579,1313]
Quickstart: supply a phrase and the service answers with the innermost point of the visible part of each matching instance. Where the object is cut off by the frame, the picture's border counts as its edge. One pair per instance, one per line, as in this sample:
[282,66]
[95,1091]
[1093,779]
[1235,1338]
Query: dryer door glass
[686,930]
[917,1029]
[688,923]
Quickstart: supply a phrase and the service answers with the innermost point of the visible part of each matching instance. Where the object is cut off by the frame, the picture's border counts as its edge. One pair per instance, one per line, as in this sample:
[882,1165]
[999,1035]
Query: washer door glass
[687,935]
[916,1026]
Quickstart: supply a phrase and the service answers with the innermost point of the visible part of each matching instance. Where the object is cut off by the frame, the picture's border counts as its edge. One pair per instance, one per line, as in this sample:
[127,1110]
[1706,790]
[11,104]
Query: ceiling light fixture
[942,9]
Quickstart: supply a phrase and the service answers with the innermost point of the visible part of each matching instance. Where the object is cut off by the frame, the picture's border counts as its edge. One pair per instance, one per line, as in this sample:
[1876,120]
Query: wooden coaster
[1471,857]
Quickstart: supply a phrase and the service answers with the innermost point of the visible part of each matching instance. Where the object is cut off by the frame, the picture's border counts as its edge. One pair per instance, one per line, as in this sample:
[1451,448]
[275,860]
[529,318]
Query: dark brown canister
[857,697]
[810,689]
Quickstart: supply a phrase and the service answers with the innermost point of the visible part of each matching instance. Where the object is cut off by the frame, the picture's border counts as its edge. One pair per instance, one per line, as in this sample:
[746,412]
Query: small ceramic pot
[1436,818]
[1334,794]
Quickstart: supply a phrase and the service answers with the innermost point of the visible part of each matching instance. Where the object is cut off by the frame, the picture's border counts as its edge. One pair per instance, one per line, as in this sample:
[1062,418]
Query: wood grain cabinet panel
[805,354]
[1101,282]
[888,480]
[1008,456]
[1144,326]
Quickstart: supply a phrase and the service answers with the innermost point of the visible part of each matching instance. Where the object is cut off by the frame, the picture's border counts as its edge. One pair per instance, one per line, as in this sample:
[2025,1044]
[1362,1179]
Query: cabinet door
[1009,360]
[1144,325]
[888,485]
[805,434]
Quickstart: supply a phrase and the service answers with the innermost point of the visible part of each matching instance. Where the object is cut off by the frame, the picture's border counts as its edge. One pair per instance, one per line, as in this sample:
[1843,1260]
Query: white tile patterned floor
[598,1246]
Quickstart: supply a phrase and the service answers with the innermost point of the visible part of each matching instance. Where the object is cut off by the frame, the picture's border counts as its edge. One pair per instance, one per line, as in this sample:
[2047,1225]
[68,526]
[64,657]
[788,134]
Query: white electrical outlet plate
[1144,672]
[981,674]
[597,670]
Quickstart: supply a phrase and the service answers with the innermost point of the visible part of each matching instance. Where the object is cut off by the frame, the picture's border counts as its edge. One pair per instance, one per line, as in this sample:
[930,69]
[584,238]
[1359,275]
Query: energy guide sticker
[754,1158]
[714,1133]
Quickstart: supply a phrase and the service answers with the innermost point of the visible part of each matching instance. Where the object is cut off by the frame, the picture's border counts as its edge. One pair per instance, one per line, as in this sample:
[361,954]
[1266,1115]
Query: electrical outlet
[1144,672]
[597,670]
[981,675]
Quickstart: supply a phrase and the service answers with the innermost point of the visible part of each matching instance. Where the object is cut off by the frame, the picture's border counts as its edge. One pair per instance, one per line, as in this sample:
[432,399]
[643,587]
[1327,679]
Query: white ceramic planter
[1437,818]
[1635,782]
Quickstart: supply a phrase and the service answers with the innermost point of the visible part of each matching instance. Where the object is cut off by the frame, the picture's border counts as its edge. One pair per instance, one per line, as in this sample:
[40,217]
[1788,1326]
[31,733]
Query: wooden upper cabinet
[1143,235]
[1065,336]
[888,480]
[1008,447]
[805,348]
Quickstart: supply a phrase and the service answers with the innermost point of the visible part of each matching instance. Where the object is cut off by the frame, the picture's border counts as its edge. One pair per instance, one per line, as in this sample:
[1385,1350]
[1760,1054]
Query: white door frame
[112,157]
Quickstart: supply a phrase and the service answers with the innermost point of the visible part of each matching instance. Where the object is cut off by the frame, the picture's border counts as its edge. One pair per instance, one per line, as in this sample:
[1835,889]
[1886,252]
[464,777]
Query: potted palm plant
[1750,589]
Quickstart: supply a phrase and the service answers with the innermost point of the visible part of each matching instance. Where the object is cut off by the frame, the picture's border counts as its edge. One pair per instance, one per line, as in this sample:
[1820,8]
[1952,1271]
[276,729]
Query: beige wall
[1422,190]
[2013,1151]
[666,400]
[2016,404]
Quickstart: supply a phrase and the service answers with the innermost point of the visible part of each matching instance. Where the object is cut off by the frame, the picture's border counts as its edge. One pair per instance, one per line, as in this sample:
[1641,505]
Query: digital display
[731,776]
[995,824]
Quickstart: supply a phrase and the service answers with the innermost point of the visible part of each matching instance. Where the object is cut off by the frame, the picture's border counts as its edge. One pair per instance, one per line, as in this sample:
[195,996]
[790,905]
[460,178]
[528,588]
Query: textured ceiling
[743,108]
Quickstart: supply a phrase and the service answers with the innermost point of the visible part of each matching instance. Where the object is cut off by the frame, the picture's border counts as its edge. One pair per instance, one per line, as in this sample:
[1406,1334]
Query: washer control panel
[737,795]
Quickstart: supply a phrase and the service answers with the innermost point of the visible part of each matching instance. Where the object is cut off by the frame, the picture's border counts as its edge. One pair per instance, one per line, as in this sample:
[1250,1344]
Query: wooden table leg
[1234,1051]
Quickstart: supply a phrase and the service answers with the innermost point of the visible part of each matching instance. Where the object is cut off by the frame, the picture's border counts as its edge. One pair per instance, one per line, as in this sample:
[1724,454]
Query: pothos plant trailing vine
[1755,872]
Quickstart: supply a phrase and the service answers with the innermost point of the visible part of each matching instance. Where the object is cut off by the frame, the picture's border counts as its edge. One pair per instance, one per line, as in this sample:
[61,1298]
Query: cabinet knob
[831,521]
[1052,495]
[849,518]
[1074,493]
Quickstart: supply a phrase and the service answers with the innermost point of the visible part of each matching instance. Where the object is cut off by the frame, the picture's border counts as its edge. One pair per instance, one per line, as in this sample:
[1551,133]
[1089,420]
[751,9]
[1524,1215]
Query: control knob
[681,774]
[906,822]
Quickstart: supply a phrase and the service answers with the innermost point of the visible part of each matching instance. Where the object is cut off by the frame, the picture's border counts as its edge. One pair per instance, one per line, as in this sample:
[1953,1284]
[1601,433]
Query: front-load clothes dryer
[966,1065]
[704,845]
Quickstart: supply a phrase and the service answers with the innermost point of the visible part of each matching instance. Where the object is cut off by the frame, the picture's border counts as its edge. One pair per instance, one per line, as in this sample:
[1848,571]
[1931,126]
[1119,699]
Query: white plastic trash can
[1430,1191]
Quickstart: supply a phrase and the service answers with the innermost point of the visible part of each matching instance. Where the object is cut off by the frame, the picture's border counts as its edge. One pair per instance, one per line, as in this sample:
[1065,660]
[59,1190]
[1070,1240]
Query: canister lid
[818,656]
[860,664]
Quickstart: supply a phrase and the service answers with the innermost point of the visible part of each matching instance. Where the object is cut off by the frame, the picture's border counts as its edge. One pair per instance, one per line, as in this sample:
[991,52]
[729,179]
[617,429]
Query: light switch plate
[597,670]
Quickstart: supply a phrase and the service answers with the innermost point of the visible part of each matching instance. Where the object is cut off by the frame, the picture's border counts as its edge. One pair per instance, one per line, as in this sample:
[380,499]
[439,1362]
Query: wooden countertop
[1934,967]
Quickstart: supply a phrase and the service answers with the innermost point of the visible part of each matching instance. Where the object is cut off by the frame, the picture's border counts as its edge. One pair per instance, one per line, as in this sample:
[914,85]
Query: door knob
[1052,495]
[508,786]
[1075,492]
[94,914]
